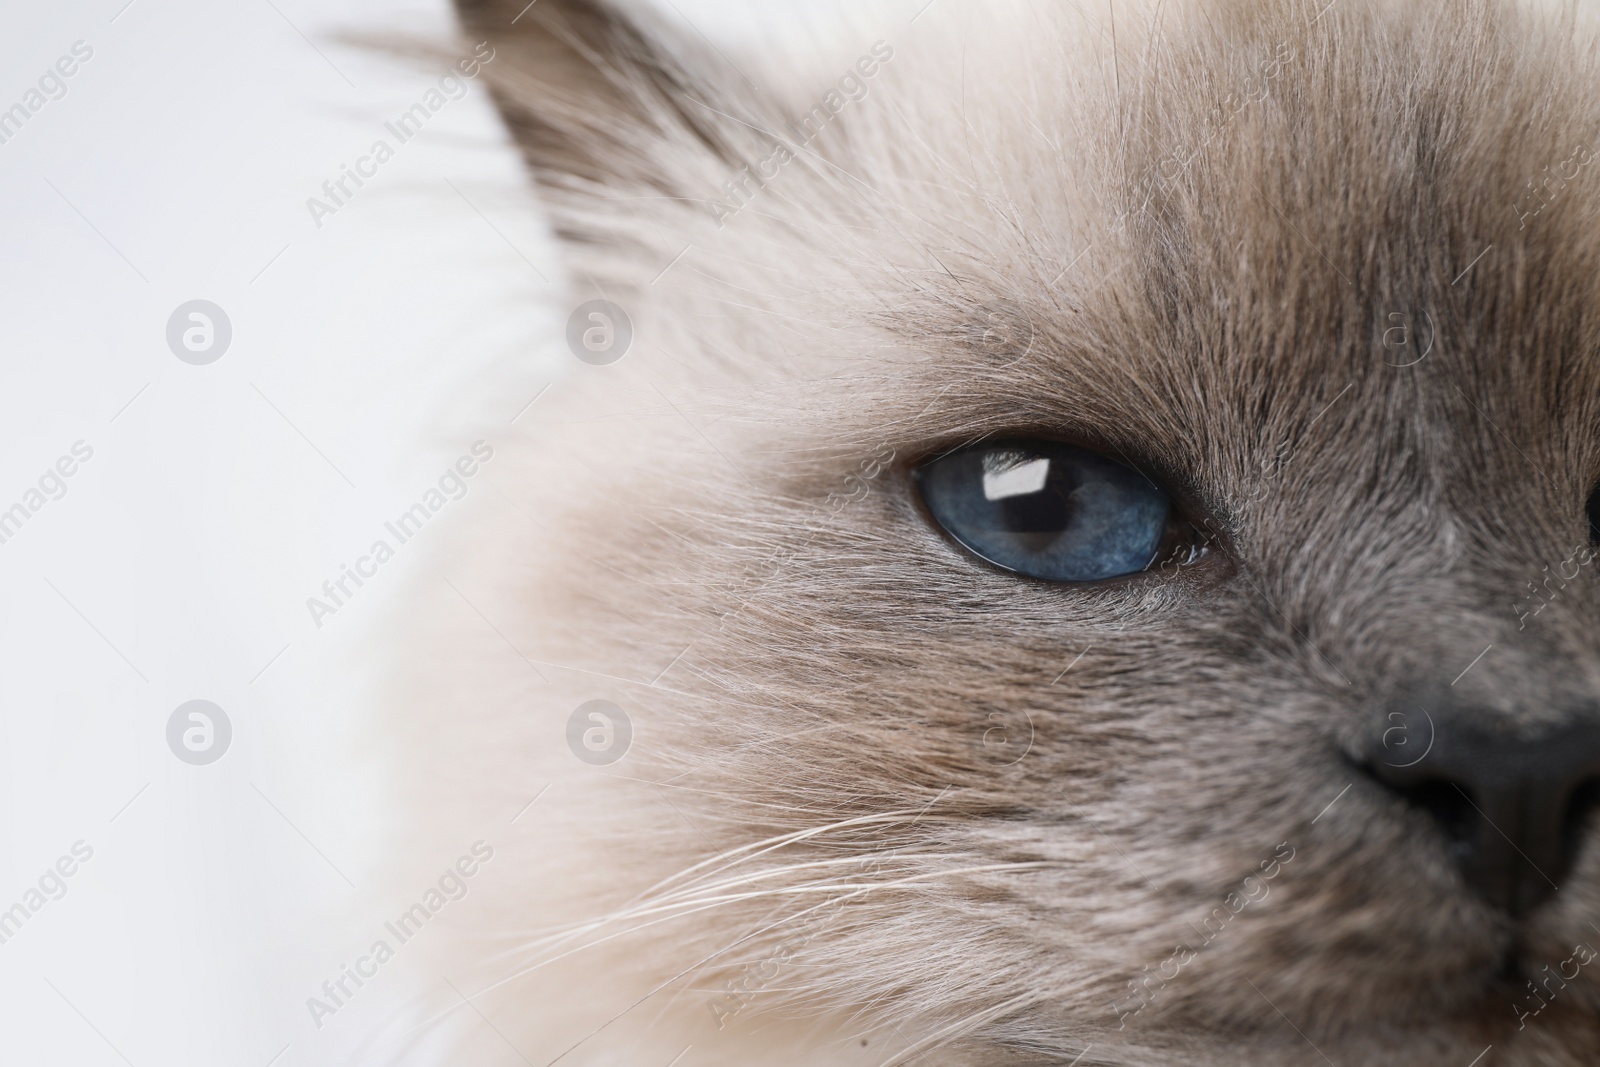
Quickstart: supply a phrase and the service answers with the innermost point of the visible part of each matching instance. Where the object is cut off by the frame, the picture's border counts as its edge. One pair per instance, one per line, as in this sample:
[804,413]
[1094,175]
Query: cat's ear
[610,106]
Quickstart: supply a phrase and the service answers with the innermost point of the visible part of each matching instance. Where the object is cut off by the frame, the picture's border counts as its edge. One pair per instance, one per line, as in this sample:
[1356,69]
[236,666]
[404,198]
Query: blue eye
[1047,510]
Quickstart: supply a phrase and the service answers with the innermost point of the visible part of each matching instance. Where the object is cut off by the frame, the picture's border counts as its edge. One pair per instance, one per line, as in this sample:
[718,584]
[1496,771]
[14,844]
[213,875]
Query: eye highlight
[1048,510]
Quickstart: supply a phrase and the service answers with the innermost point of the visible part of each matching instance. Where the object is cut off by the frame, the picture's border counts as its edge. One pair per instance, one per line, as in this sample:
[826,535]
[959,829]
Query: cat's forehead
[1379,251]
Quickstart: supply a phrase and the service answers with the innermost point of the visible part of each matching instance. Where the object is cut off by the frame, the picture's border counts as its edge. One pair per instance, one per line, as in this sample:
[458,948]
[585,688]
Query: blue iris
[1047,510]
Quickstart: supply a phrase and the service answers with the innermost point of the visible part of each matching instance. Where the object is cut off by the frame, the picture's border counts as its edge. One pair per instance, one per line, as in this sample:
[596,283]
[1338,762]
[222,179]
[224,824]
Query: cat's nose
[1512,809]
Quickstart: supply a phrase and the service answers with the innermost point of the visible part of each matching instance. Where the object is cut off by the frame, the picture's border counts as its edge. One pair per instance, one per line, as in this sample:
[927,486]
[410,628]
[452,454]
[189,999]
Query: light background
[366,355]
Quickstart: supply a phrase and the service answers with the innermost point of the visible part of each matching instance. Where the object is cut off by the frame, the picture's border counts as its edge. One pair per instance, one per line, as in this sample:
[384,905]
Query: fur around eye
[1047,510]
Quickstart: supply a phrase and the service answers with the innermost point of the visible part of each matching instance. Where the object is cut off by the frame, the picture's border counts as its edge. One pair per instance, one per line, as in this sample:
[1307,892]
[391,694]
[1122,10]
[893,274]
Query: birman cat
[1064,537]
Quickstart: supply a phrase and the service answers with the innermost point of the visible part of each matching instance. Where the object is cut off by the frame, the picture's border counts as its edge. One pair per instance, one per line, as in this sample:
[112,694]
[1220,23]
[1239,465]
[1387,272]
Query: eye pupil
[1034,505]
[1037,520]
[1047,510]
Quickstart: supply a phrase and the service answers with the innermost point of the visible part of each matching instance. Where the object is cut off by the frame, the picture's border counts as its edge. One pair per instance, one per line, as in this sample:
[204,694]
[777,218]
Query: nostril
[1576,819]
[1450,805]
[1512,812]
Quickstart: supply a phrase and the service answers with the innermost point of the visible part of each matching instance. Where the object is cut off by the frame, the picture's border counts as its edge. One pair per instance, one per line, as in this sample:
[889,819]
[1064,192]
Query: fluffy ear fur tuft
[603,103]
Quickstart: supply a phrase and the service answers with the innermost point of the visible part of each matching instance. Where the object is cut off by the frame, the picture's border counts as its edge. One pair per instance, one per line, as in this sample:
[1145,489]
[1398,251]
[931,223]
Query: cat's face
[1321,765]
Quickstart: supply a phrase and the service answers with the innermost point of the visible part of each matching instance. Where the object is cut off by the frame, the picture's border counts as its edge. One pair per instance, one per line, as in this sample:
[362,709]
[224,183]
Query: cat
[1032,557]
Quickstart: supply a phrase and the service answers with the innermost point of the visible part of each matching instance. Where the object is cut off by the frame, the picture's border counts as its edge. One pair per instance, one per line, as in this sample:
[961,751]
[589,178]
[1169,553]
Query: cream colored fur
[861,788]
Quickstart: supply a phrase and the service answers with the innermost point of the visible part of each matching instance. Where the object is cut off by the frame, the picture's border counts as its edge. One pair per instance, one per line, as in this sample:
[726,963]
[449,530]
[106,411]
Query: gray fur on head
[1180,234]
